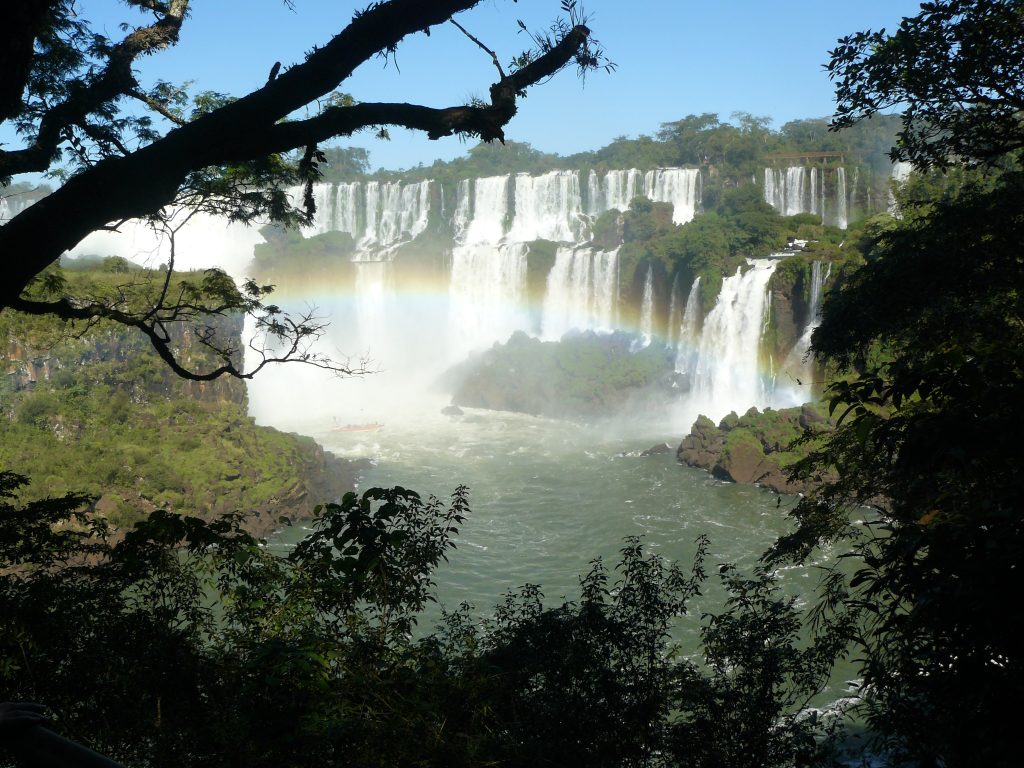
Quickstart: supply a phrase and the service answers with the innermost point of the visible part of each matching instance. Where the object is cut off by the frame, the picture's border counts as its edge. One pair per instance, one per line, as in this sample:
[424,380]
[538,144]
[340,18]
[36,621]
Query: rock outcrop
[585,376]
[756,448]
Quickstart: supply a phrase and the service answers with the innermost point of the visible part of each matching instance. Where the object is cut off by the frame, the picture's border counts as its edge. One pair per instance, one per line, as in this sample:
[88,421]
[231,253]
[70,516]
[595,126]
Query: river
[549,496]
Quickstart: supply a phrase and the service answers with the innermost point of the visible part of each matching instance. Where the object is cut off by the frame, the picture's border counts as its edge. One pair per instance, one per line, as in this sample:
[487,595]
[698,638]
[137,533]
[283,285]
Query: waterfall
[488,275]
[323,199]
[394,212]
[900,173]
[378,215]
[678,186]
[647,311]
[797,189]
[548,207]
[784,190]
[817,283]
[460,219]
[580,292]
[821,187]
[853,190]
[594,198]
[798,367]
[345,216]
[772,194]
[488,284]
[489,210]
[794,189]
[674,319]
[842,216]
[619,188]
[689,329]
[727,374]
[814,194]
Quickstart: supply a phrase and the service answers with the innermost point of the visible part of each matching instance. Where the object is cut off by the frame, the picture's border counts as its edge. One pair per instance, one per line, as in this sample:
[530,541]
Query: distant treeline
[735,150]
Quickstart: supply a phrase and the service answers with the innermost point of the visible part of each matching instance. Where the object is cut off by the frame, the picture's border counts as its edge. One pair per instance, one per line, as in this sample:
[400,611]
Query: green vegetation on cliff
[287,254]
[711,246]
[99,413]
[585,376]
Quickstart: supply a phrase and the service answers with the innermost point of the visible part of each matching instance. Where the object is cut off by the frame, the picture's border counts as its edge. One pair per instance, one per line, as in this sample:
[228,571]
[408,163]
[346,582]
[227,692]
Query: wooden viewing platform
[812,156]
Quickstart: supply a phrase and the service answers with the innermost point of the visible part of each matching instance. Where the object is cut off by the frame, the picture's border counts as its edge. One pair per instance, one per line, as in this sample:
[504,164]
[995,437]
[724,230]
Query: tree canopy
[188,643]
[927,339]
[956,70]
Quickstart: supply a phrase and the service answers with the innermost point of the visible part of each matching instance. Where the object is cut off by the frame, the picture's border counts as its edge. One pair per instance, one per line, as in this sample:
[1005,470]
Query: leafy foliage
[751,708]
[928,439]
[188,642]
[955,70]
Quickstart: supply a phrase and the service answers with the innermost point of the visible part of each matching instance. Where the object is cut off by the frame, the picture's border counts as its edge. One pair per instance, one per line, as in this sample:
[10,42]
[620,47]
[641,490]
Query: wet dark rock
[811,416]
[655,450]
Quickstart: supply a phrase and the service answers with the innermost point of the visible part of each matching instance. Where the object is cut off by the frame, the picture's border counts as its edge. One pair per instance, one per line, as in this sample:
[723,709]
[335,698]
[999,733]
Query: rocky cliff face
[38,352]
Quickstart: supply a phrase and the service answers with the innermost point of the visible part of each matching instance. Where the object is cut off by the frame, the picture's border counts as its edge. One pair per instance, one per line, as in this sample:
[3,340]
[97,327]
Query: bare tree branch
[485,122]
[493,55]
[295,335]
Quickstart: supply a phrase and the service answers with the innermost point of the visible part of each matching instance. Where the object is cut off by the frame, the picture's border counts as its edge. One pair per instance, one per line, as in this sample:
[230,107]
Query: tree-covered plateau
[98,412]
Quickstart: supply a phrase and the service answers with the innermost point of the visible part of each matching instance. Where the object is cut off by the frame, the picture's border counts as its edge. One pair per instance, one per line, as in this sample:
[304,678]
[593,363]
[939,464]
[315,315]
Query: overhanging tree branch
[292,336]
[225,160]
[485,122]
[140,183]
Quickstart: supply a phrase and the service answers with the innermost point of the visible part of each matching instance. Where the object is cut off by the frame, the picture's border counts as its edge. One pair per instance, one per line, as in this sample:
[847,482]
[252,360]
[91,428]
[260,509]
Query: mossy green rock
[758,448]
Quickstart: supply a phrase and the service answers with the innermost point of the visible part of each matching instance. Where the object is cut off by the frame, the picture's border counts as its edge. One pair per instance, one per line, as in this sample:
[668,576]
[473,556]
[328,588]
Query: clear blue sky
[675,57]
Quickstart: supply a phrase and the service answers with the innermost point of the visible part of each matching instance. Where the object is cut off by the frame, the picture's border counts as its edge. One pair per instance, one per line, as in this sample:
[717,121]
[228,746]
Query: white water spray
[798,368]
[580,292]
[689,331]
[647,311]
[727,373]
